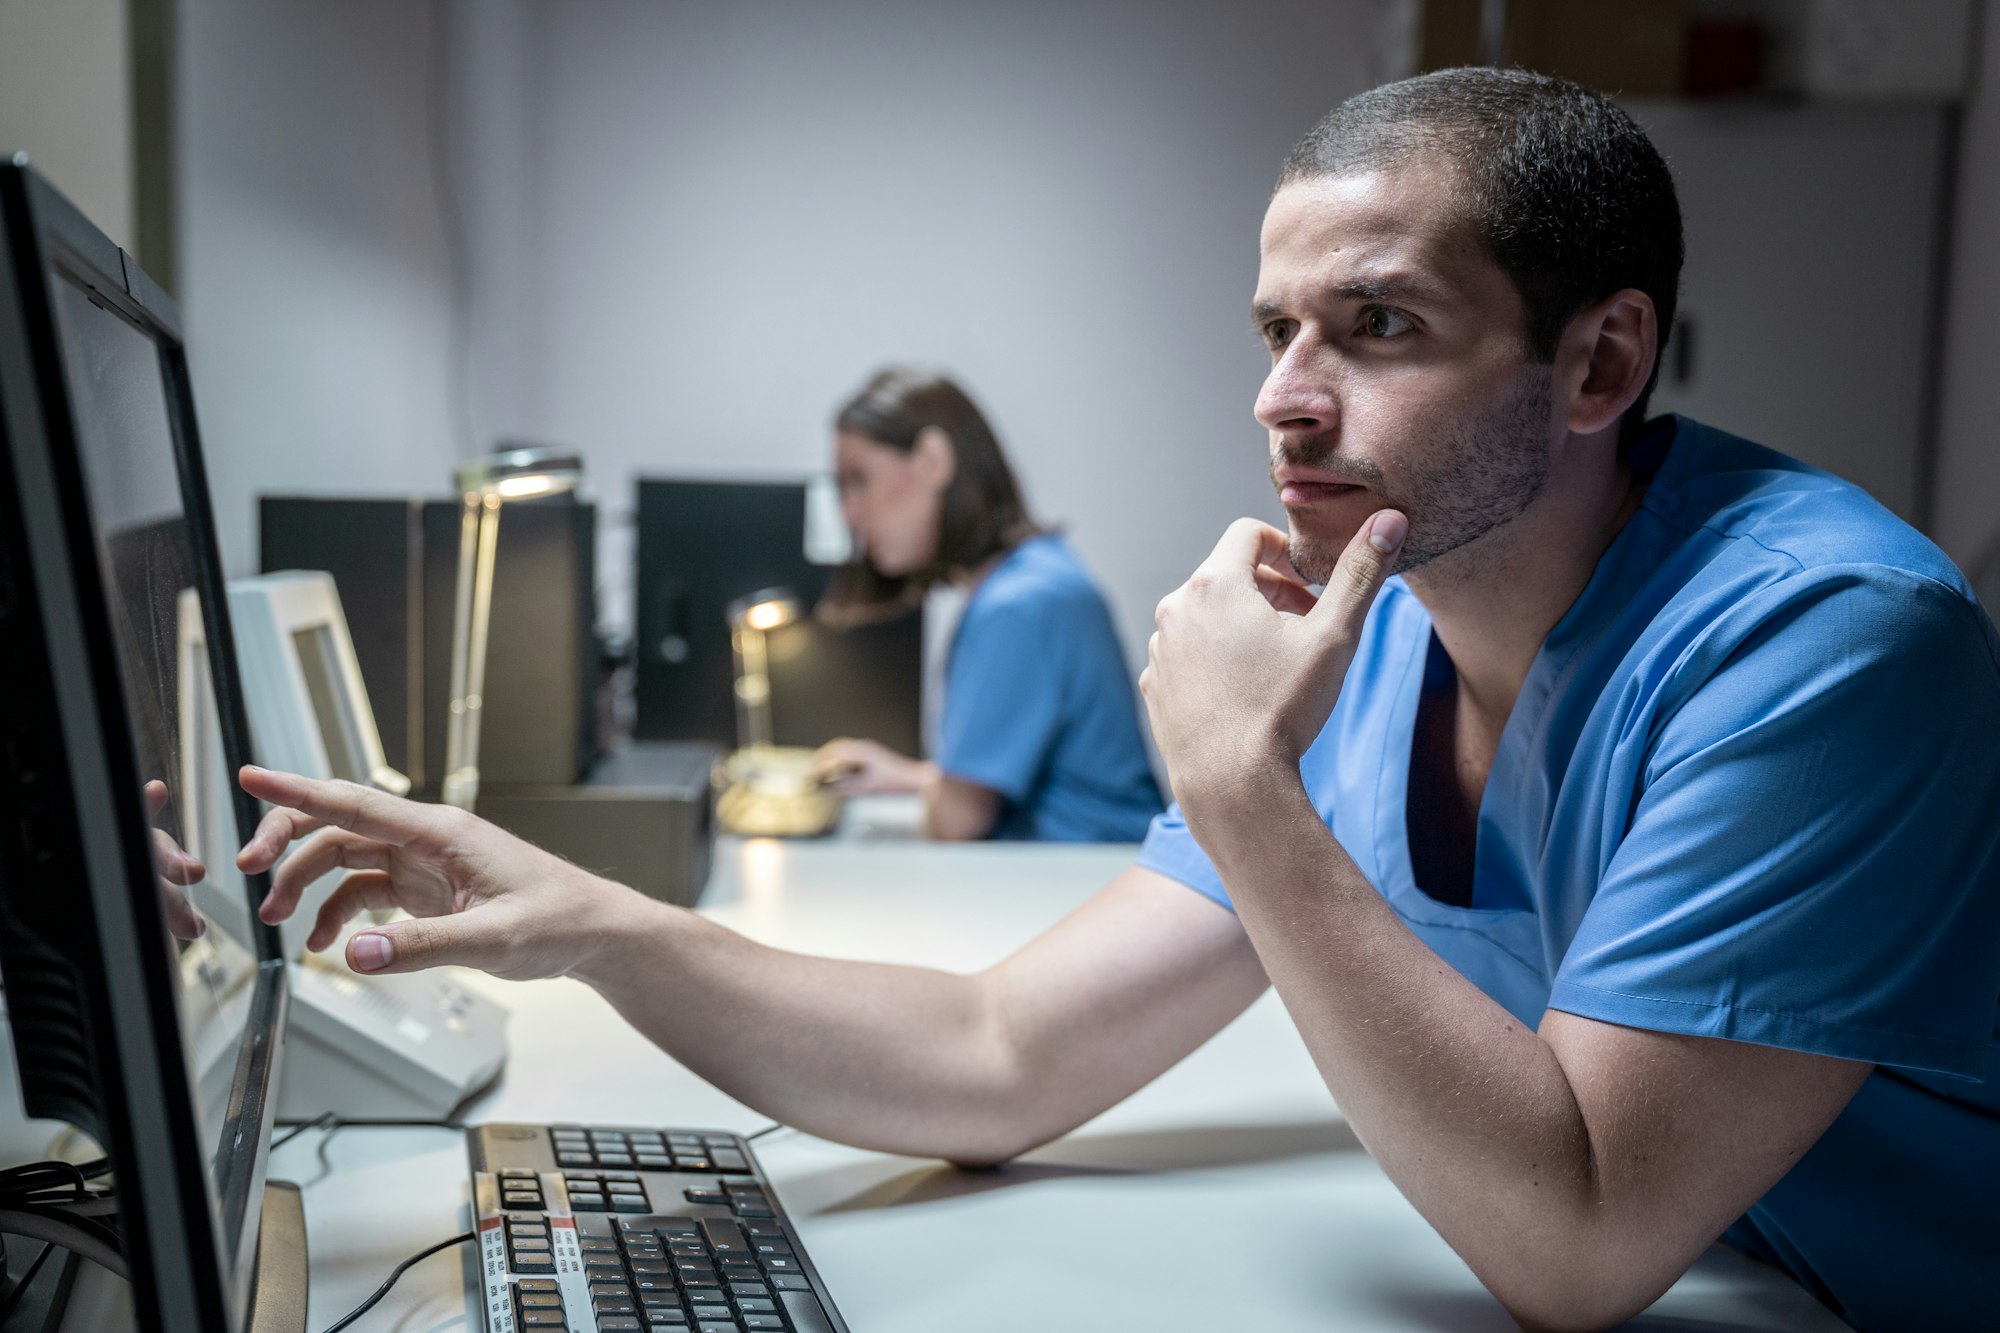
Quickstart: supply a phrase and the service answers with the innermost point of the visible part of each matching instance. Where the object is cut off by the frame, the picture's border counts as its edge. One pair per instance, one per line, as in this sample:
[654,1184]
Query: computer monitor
[702,545]
[131,1020]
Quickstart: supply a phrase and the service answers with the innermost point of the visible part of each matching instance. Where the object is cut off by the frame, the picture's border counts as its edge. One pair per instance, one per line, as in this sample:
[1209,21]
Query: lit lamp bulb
[514,474]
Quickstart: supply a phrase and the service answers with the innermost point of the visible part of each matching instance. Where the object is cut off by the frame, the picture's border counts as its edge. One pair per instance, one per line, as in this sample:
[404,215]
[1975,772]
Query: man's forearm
[1469,1111]
[901,1059]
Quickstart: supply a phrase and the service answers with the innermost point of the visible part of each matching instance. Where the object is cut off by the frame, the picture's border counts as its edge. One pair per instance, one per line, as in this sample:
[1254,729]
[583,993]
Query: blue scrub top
[1039,707]
[1750,789]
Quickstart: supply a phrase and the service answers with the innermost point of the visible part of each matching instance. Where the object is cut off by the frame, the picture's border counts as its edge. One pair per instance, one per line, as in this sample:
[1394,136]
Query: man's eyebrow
[1390,287]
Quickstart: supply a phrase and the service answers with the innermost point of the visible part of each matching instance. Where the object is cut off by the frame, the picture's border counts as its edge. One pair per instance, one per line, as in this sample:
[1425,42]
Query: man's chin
[1314,557]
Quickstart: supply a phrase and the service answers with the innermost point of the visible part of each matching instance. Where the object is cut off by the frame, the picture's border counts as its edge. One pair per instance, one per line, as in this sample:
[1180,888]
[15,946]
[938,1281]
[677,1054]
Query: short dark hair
[982,513]
[1565,190]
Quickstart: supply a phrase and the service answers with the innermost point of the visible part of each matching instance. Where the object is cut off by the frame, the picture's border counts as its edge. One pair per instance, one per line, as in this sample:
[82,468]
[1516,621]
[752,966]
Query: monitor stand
[73,1295]
[278,1302]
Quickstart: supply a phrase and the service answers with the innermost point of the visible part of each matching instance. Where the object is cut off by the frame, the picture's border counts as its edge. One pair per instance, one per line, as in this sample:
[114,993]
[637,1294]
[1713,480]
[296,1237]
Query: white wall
[315,274]
[1967,506]
[66,101]
[734,213]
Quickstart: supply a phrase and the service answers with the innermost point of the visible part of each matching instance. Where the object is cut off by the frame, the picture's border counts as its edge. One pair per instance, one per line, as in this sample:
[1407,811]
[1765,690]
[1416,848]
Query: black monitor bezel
[192,1266]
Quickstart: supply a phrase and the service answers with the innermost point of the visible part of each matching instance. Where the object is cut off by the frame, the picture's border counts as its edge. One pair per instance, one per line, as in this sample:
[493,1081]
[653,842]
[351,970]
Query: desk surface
[1228,1194]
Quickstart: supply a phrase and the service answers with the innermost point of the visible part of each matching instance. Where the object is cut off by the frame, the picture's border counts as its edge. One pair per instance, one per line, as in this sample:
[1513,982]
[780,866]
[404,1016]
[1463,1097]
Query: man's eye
[1278,334]
[1382,322]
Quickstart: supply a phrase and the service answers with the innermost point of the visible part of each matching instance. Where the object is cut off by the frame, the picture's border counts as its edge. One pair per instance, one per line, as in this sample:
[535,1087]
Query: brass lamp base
[769,791]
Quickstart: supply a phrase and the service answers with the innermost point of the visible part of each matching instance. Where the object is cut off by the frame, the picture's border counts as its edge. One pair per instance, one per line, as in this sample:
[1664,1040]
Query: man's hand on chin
[1246,664]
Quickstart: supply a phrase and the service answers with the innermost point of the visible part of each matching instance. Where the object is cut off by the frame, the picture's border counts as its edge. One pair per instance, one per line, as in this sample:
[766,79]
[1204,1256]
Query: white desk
[1227,1195]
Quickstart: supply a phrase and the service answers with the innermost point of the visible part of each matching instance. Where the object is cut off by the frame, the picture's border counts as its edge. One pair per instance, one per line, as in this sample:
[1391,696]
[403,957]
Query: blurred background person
[1039,734]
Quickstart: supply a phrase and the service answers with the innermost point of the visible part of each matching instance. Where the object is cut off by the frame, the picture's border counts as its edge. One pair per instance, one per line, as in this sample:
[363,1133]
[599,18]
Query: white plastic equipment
[407,1046]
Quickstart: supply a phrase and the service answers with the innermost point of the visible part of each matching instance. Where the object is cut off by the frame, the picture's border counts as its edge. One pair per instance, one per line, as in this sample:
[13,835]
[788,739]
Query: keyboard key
[537,1284]
[755,1321]
[654,1161]
[543,1319]
[620,1324]
[749,1291]
[692,1162]
[567,1159]
[756,1210]
[668,1319]
[534,1264]
[805,1312]
[516,1172]
[703,1194]
[756,1305]
[540,1300]
[628,1203]
[605,1305]
[779,1263]
[790,1282]
[724,1236]
[719,1326]
[597,1244]
[529,1244]
[728,1160]
[763,1230]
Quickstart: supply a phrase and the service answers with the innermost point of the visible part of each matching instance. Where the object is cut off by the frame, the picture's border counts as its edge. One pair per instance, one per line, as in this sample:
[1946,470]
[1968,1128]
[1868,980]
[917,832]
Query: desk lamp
[771,789]
[489,483]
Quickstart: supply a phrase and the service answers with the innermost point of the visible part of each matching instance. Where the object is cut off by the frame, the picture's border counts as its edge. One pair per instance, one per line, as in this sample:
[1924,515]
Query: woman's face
[891,499]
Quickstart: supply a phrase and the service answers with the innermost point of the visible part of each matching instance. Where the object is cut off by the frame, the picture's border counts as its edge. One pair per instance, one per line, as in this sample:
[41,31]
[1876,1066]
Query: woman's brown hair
[982,513]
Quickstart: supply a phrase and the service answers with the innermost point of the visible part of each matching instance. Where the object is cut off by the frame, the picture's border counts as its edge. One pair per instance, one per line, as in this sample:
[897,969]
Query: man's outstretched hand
[1246,663]
[481,897]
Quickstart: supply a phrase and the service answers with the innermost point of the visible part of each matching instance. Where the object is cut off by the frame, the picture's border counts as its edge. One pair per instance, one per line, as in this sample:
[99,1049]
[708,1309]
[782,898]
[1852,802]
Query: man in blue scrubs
[1620,825]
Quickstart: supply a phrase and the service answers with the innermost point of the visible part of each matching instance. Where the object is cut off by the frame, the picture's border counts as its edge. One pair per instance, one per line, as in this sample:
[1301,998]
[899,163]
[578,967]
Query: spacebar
[803,1309]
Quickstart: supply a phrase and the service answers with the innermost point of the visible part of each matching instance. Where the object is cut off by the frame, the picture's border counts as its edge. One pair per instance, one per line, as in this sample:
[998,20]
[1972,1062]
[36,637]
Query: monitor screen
[125,438]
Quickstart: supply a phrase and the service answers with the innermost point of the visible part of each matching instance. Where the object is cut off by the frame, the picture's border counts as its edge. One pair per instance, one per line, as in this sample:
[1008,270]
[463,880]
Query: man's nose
[1296,396]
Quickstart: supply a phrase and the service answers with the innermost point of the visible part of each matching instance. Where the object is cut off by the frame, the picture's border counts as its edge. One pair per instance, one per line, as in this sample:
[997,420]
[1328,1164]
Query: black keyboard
[599,1230]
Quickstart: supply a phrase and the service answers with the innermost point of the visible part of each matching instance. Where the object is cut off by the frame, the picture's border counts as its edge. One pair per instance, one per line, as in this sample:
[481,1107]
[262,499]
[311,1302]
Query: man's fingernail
[372,952]
[1388,532]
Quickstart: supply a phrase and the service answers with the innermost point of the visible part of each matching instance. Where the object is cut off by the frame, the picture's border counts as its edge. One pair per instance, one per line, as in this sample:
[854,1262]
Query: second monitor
[704,544]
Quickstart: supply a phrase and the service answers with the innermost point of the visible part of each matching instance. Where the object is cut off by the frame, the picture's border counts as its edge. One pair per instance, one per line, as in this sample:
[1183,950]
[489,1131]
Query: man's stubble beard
[1487,473]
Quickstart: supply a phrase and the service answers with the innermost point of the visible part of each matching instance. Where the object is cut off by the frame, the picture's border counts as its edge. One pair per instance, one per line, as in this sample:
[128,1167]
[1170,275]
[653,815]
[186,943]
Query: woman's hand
[867,767]
[481,896]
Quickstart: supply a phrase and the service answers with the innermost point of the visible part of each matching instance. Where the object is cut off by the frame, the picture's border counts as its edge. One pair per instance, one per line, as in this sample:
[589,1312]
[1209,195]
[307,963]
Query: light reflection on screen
[118,389]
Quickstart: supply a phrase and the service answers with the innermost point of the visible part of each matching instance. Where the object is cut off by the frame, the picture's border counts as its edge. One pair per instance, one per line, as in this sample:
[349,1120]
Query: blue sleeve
[1004,692]
[1171,850]
[1813,861]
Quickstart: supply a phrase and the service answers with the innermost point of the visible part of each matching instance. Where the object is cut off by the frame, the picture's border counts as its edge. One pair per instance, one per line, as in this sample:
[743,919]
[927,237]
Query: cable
[329,1121]
[401,1269]
[27,1279]
[771,1128]
[92,1240]
[333,1124]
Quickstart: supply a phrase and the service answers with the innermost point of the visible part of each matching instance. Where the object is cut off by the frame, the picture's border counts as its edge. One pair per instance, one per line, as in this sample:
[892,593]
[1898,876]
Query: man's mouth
[1299,487]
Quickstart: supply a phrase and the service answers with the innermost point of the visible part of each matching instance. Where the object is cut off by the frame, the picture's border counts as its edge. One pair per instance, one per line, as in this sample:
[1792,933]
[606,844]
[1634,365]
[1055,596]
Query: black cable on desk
[333,1124]
[401,1269]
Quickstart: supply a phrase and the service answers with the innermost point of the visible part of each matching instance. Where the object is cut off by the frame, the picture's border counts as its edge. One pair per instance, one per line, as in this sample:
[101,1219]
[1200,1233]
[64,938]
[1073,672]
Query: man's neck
[1494,602]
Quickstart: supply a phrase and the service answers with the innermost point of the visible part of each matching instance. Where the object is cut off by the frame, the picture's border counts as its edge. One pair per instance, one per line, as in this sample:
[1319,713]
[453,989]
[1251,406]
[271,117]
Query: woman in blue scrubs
[1039,737]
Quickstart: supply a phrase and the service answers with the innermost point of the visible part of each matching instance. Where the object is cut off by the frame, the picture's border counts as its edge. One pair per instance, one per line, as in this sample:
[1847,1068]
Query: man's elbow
[1573,1294]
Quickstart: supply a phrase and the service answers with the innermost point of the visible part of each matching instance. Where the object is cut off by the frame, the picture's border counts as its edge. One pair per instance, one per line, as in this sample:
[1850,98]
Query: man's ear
[936,457]
[1607,354]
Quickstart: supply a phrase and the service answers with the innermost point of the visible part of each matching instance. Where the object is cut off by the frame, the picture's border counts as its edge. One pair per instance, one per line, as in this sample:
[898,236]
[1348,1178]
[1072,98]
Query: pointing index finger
[344,805]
